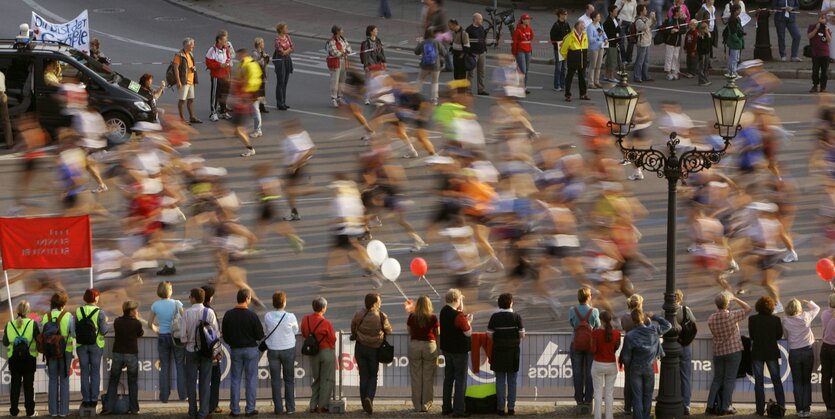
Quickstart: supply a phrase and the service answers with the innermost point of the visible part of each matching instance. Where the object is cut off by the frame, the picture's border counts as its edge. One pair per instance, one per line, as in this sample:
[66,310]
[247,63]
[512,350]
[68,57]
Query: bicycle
[495,21]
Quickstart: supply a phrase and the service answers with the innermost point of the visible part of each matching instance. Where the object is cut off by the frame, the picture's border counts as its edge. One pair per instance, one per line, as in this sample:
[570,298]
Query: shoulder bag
[385,353]
[263,345]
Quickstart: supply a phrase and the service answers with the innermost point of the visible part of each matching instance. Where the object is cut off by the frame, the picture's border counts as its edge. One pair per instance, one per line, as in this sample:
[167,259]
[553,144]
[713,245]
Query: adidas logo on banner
[551,364]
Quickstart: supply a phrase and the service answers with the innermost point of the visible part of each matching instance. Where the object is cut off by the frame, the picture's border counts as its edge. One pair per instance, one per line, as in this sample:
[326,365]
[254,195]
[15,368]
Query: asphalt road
[140,35]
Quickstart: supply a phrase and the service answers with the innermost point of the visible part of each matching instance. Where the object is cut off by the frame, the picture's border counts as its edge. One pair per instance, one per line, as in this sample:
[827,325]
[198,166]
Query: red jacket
[691,42]
[215,60]
[522,39]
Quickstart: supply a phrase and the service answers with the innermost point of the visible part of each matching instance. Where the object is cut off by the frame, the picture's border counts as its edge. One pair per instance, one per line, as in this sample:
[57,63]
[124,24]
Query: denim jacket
[642,345]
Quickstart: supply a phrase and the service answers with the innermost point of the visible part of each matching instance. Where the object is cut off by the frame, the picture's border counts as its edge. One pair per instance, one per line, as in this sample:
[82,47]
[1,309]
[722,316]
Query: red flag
[46,243]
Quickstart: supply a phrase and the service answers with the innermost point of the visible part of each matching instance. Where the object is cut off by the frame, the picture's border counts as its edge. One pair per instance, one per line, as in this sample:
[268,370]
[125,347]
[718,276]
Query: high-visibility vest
[64,326]
[27,330]
[83,311]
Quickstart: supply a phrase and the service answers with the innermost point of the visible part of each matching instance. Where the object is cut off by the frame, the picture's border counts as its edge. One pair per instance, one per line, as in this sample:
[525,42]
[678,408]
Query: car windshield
[100,69]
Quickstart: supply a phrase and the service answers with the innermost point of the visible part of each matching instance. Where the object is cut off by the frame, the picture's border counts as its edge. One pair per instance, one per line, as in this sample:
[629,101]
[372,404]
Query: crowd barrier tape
[545,371]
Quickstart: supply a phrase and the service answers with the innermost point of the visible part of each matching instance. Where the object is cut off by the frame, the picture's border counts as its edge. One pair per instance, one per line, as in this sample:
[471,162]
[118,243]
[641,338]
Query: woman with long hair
[283,65]
[797,329]
[19,337]
[604,369]
[370,327]
[424,328]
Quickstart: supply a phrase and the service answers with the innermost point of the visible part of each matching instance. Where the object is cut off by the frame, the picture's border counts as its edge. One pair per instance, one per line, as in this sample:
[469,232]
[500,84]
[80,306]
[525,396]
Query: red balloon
[419,267]
[824,267]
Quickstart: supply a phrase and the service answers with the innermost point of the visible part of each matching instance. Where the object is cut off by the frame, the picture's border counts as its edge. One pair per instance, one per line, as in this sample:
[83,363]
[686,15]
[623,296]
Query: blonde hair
[635,301]
[453,295]
[258,41]
[794,307]
[23,310]
[423,311]
[722,300]
[279,26]
[584,295]
[165,289]
[832,300]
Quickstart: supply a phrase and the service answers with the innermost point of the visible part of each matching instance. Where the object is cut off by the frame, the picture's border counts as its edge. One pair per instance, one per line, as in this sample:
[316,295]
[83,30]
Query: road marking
[317,113]
[533,102]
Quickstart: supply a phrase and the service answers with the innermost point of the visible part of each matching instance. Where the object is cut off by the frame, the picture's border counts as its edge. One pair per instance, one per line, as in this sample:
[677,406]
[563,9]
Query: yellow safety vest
[81,312]
[27,330]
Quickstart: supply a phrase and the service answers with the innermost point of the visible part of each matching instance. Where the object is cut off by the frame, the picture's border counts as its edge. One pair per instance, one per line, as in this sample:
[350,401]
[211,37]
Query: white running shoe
[226,115]
[638,175]
[334,103]
[213,117]
[256,134]
[248,153]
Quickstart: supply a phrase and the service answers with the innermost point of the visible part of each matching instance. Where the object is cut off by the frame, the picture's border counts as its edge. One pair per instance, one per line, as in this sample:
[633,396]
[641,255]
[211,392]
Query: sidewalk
[314,18]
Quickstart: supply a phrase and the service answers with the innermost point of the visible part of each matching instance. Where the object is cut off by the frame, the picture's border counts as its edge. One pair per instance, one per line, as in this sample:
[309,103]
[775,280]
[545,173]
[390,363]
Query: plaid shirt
[724,325]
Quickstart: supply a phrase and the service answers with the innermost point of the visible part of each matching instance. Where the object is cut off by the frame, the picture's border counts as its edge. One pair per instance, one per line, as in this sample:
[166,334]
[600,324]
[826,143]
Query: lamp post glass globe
[728,103]
[621,101]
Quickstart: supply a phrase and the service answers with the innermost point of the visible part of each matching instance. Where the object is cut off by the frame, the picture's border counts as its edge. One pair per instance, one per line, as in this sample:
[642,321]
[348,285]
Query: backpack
[20,345]
[633,32]
[207,342]
[430,53]
[725,34]
[171,74]
[688,329]
[582,333]
[86,330]
[51,343]
[310,346]
[660,37]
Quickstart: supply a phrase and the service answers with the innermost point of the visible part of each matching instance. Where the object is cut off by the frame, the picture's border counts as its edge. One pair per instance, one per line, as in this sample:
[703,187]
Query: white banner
[75,33]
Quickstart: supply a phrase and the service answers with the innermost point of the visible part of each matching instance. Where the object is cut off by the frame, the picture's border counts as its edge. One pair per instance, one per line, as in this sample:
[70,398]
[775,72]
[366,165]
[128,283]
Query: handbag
[470,61]
[263,345]
[774,410]
[807,51]
[385,353]
[176,333]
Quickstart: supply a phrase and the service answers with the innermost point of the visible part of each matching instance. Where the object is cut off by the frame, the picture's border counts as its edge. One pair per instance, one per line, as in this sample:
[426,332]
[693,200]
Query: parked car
[108,91]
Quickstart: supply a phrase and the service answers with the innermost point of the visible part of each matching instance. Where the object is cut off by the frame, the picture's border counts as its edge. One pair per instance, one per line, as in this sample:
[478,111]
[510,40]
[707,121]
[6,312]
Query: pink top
[283,44]
[798,329]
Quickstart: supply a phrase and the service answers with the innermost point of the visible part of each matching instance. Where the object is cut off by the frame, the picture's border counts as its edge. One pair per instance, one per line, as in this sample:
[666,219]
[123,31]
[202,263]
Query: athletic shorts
[240,119]
[186,92]
[343,241]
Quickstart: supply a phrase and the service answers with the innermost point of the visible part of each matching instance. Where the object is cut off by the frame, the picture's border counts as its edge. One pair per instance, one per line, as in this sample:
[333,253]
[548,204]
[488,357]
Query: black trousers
[581,79]
[459,71]
[214,398]
[23,374]
[218,93]
[820,71]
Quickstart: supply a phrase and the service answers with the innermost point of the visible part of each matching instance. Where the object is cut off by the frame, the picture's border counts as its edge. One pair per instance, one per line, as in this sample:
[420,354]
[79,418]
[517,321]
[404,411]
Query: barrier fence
[545,371]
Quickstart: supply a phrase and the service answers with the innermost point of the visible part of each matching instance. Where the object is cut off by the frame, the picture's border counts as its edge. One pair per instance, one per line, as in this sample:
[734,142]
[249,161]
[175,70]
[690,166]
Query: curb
[799,74]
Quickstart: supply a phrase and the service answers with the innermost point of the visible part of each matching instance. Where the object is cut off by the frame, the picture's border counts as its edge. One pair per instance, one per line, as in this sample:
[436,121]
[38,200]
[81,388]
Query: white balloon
[391,269]
[377,252]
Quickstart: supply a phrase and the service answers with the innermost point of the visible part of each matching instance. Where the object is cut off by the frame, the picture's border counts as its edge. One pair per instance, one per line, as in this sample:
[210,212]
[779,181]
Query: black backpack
[20,345]
[310,346]
[688,329]
[86,331]
[206,337]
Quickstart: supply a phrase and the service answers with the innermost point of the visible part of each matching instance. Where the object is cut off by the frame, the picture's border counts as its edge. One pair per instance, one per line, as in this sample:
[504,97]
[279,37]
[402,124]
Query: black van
[24,66]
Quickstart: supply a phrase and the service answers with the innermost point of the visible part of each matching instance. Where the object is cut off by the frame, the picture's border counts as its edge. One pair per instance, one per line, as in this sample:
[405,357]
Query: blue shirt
[642,345]
[594,319]
[596,36]
[164,310]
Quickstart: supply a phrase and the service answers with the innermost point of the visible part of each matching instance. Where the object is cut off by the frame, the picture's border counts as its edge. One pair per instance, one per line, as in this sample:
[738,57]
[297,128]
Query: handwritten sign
[75,33]
[45,243]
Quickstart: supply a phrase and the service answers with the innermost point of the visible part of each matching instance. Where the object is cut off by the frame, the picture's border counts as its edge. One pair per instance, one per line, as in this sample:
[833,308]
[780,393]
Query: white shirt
[727,13]
[712,19]
[188,323]
[92,128]
[2,82]
[295,145]
[284,336]
[627,10]
[585,19]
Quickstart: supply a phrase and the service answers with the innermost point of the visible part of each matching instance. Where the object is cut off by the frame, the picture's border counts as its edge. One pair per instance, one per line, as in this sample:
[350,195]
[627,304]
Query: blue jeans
[781,24]
[733,60]
[167,351]
[686,373]
[131,361]
[724,377]
[455,378]
[657,6]
[256,116]
[244,364]
[506,381]
[198,370]
[560,68]
[523,60]
[642,383]
[283,68]
[759,383]
[89,361]
[59,385]
[581,366]
[801,361]
[448,65]
[385,9]
[626,45]
[640,71]
[282,368]
[368,368]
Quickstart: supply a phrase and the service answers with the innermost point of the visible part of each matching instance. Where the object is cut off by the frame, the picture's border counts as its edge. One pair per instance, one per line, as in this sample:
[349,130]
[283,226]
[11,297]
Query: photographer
[820,37]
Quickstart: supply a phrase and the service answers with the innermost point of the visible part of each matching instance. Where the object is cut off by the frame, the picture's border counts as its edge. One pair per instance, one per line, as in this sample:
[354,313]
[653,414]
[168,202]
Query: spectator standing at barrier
[604,369]
[60,324]
[370,327]
[685,359]
[169,345]
[597,47]
[20,338]
[827,355]
[615,44]
[506,329]
[242,331]
[128,330]
[431,53]
[820,37]
[727,352]
[734,38]
[522,46]
[283,62]
[455,344]
[186,76]
[281,328]
[559,31]
[338,51]
[214,385]
[707,16]
[322,365]
[574,49]
[765,330]
[634,302]
[583,319]
[704,49]
[219,62]
[797,329]
[198,368]
[641,349]
[643,28]
[786,18]
[478,47]
[627,13]
[459,48]
[675,26]
[424,328]
[90,328]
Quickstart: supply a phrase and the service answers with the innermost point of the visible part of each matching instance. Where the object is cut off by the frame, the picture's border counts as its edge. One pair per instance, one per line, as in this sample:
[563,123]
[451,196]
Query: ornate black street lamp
[728,104]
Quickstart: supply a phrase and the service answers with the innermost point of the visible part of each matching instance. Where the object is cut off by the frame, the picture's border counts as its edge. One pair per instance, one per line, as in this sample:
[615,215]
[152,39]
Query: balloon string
[401,291]
[423,277]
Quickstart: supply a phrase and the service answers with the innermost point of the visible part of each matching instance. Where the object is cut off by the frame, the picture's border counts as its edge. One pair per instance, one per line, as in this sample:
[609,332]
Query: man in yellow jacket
[245,84]
[574,50]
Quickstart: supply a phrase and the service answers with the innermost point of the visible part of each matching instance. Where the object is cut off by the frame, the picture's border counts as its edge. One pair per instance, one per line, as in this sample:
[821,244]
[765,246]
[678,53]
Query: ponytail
[606,319]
